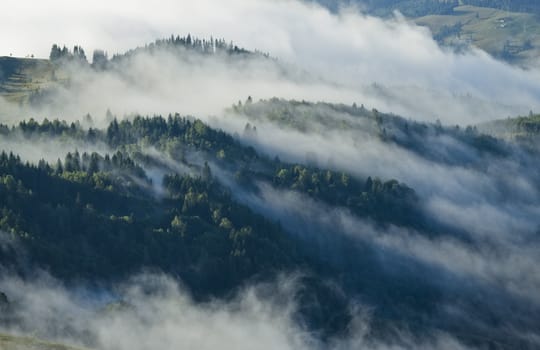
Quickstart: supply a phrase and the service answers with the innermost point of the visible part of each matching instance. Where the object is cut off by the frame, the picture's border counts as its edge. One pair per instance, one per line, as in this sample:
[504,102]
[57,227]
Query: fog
[484,205]
[492,200]
[489,199]
[34,149]
[154,311]
[507,265]
[170,81]
[484,194]
[488,275]
[499,254]
[343,53]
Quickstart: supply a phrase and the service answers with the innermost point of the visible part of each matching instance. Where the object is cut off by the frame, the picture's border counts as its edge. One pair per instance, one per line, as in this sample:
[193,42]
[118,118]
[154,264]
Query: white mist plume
[348,51]
[152,311]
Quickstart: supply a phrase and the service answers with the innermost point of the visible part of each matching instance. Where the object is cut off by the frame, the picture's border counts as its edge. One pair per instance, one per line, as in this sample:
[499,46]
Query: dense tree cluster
[77,228]
[177,135]
[119,174]
[387,201]
[86,217]
[59,54]
[100,59]
[100,217]
[48,128]
[211,46]
[360,123]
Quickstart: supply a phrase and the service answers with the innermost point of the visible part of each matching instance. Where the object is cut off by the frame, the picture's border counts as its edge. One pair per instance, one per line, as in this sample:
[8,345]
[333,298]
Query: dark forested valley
[372,184]
[172,194]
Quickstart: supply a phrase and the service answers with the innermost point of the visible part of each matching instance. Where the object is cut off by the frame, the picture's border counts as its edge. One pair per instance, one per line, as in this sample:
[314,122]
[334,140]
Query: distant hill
[25,80]
[416,8]
[217,210]
[325,117]
[526,6]
[103,216]
[511,36]
[410,8]
[508,30]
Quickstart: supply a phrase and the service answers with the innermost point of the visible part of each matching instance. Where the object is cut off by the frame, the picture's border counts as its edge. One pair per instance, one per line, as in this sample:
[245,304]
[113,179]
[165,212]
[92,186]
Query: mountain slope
[11,342]
[508,30]
[510,36]
[34,81]
[178,196]
[20,78]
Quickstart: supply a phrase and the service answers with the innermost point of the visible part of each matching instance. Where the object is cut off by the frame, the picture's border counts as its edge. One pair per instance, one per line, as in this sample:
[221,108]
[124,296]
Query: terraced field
[22,77]
[512,36]
[10,342]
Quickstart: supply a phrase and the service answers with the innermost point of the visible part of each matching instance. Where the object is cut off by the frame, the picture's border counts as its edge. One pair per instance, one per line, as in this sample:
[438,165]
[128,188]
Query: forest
[100,217]
[332,179]
[104,216]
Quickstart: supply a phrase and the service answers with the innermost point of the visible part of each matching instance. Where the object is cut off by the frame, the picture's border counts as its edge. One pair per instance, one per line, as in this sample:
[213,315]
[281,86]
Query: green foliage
[176,135]
[64,54]
[360,124]
[385,202]
[86,225]
[99,217]
[190,43]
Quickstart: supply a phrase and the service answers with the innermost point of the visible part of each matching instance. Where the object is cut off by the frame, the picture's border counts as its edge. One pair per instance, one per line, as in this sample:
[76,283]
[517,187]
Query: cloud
[170,81]
[346,52]
[484,205]
[153,311]
[487,195]
[33,149]
[483,241]
[503,273]
[321,56]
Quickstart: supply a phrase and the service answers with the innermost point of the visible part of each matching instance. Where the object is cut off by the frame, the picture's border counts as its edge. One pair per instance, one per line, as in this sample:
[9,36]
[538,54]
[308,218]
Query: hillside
[114,214]
[11,342]
[508,30]
[191,192]
[326,118]
[21,78]
[510,36]
[33,81]
[418,8]
[175,195]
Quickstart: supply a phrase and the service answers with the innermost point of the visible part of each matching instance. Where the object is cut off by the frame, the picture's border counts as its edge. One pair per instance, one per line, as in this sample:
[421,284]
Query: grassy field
[21,77]
[10,342]
[509,35]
